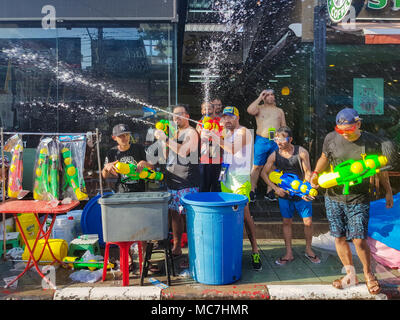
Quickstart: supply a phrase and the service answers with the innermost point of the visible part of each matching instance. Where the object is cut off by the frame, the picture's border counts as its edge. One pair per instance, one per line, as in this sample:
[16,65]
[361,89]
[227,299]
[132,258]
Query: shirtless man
[269,118]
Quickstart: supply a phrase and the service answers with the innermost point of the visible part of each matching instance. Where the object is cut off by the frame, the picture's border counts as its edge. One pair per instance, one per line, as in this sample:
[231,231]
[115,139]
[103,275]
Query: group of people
[199,160]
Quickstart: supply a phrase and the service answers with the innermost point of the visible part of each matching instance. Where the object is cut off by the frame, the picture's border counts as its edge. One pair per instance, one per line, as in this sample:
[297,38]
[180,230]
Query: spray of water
[72,78]
[229,14]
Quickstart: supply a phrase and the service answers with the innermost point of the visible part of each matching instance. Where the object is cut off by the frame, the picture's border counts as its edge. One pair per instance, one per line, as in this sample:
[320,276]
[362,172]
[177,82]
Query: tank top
[182,173]
[290,165]
[241,161]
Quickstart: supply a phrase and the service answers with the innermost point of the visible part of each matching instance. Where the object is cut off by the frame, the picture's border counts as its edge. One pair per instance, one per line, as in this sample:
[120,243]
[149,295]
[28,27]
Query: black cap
[120,129]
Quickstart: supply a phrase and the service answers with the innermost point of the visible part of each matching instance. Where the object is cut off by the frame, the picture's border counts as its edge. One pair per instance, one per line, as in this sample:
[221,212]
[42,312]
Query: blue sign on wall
[368,95]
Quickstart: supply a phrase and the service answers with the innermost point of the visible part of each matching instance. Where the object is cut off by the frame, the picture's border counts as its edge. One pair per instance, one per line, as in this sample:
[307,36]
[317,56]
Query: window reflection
[35,95]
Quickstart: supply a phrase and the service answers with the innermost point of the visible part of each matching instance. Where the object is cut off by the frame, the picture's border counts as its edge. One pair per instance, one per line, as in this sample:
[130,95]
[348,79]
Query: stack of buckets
[65,229]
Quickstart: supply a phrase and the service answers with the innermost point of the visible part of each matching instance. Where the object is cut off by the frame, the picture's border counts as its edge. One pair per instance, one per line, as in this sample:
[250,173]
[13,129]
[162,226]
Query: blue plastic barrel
[214,223]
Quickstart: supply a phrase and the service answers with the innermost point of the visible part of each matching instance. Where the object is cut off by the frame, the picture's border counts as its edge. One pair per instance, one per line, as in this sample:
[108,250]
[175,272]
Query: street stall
[39,248]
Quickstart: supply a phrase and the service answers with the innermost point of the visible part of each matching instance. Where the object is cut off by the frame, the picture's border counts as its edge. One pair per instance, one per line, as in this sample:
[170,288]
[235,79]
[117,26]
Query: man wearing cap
[237,142]
[126,152]
[348,214]
[269,118]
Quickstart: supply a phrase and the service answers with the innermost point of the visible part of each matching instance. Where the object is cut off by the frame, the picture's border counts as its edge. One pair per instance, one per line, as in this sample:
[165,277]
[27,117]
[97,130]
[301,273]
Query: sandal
[283,262]
[371,284]
[344,282]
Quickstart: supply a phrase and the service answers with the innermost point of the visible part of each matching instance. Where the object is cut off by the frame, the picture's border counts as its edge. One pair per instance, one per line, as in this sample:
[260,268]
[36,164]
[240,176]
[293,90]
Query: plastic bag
[87,276]
[15,172]
[46,177]
[73,154]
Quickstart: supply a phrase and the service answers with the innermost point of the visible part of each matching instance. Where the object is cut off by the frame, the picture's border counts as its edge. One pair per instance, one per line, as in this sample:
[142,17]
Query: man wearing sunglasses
[348,215]
[292,159]
[237,141]
[182,174]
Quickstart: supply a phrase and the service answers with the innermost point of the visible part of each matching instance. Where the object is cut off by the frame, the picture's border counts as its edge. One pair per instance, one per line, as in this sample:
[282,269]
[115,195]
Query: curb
[321,292]
[254,292]
[108,293]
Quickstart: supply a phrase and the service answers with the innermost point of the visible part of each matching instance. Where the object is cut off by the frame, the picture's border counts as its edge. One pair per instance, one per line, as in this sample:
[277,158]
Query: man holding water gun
[125,152]
[210,152]
[347,203]
[291,159]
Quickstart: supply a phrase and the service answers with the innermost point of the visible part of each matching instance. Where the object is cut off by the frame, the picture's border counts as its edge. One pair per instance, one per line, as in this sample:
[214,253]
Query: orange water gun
[211,124]
[15,146]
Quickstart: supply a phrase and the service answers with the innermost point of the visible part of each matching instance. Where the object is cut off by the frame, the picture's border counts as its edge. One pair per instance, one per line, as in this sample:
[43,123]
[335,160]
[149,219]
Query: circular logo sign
[338,9]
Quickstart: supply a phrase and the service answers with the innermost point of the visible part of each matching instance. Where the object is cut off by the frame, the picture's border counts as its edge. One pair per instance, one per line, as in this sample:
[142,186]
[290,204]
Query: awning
[374,33]
[382,35]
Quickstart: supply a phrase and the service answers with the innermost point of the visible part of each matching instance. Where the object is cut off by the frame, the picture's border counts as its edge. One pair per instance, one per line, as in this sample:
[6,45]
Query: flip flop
[283,262]
[312,258]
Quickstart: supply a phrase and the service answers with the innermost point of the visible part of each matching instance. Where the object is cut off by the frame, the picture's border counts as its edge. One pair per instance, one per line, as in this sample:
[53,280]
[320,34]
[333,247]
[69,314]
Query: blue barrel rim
[186,200]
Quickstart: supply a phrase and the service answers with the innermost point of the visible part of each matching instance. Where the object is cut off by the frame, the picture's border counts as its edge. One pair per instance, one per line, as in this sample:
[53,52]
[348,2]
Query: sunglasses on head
[348,130]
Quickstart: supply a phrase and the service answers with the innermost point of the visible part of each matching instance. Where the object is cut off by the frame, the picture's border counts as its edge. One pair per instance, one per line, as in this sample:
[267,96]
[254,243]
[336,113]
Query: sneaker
[270,196]
[252,196]
[256,261]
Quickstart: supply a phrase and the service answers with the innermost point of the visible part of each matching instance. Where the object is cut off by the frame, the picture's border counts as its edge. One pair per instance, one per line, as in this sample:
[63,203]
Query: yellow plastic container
[29,225]
[58,246]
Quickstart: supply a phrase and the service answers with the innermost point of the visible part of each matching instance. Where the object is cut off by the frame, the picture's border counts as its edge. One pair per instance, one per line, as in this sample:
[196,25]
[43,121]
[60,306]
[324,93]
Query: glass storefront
[81,77]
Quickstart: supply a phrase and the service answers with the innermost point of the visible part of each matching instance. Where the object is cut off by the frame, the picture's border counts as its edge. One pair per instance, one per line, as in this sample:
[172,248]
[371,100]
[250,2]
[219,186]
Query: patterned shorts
[176,196]
[347,220]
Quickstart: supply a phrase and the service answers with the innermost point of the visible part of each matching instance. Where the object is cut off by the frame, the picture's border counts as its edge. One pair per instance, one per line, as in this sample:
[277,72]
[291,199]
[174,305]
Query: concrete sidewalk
[300,279]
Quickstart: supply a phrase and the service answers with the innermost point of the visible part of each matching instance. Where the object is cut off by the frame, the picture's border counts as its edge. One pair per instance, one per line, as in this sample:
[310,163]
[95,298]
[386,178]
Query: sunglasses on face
[179,113]
[348,130]
[281,139]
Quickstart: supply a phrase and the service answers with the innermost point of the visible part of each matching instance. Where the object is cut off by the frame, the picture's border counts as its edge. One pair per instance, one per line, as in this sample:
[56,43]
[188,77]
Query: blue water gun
[292,184]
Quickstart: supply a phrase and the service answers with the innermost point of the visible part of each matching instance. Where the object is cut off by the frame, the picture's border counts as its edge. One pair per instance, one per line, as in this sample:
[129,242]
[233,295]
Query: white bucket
[63,228]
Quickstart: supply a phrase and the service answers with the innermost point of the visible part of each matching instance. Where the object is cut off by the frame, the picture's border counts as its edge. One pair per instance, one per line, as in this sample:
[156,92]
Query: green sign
[338,9]
[380,4]
[368,95]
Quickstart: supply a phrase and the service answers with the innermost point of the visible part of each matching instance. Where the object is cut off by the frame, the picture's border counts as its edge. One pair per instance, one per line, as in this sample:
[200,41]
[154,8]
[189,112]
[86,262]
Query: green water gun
[129,170]
[165,125]
[54,177]
[41,187]
[78,263]
[71,175]
[352,172]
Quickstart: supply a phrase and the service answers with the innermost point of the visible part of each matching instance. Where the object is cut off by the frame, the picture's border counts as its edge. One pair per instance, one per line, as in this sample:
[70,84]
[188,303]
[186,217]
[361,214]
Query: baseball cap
[120,129]
[231,111]
[347,116]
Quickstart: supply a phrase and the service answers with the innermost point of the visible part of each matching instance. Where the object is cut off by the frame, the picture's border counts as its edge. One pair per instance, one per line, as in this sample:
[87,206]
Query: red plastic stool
[124,247]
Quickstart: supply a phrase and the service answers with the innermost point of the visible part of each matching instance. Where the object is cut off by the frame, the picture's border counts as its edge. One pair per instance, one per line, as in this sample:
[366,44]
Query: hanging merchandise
[15,146]
[73,155]
[46,171]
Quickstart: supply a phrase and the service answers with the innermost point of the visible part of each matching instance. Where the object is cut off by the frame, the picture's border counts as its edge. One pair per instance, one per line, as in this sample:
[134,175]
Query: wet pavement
[288,282]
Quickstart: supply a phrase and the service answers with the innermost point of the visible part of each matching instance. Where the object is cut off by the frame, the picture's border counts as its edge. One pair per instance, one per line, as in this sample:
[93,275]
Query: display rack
[2,133]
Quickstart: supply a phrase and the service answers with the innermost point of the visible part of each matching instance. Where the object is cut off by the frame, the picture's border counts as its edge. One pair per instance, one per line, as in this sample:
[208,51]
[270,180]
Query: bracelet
[316,172]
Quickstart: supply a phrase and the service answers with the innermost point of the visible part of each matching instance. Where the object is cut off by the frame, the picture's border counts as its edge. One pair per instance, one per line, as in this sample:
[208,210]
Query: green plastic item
[352,172]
